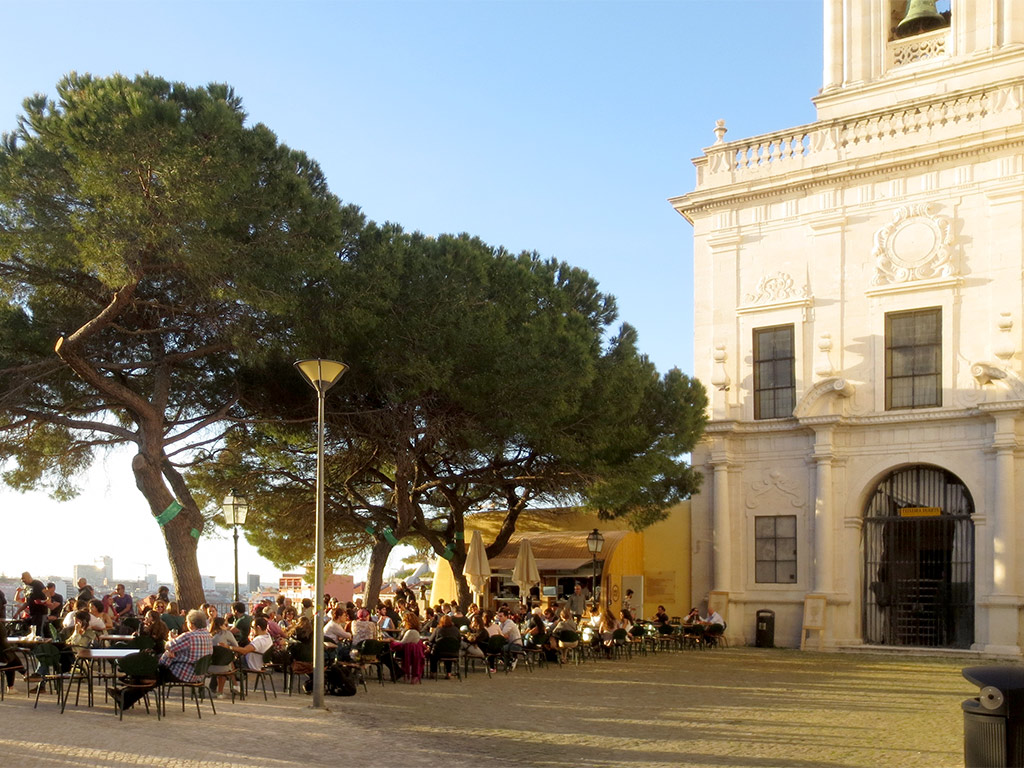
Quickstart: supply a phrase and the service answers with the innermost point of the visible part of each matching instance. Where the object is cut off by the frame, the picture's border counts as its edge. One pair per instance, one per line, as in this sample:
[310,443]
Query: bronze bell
[922,16]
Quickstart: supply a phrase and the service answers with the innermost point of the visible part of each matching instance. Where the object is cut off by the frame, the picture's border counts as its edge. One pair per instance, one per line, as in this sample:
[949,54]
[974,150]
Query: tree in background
[151,246]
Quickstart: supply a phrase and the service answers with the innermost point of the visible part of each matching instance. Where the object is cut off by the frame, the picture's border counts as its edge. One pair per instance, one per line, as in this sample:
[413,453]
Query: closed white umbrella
[525,573]
[478,569]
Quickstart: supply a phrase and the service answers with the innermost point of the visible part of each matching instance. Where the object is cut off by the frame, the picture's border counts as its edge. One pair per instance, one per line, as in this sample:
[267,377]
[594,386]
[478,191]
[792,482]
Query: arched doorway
[919,561]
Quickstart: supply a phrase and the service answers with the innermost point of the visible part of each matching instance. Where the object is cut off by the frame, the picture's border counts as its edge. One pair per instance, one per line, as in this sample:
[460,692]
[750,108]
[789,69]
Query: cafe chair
[197,690]
[140,671]
[449,651]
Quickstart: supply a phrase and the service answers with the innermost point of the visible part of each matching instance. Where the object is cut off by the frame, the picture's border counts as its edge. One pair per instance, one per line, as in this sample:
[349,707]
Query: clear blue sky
[560,127]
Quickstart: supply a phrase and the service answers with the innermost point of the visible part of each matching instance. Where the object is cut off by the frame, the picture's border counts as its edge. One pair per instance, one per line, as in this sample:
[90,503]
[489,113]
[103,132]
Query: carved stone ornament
[776,288]
[774,491]
[915,245]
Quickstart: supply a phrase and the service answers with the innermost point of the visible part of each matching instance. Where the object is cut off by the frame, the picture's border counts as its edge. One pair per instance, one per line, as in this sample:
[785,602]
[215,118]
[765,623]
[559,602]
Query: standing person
[577,602]
[122,603]
[35,602]
[85,592]
[627,602]
[54,601]
[3,605]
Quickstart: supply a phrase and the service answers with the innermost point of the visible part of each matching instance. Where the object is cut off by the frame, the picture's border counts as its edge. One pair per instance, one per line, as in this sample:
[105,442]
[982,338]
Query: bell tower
[880,53]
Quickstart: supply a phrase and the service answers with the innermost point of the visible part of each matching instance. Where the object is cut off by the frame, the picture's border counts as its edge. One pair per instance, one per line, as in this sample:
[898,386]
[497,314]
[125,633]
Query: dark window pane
[913,359]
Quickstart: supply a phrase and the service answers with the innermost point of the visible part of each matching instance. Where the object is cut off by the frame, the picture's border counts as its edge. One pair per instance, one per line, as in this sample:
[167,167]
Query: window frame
[775,561]
[791,359]
[912,349]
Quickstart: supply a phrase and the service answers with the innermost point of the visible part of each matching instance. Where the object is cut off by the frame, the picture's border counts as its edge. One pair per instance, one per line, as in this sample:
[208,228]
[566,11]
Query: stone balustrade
[807,146]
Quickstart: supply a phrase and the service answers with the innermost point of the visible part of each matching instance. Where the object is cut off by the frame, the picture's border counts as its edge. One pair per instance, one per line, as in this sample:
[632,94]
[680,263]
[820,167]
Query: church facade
[858,323]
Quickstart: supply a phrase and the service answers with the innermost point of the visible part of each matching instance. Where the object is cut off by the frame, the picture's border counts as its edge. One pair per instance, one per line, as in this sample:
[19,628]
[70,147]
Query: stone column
[824,562]
[722,549]
[832,76]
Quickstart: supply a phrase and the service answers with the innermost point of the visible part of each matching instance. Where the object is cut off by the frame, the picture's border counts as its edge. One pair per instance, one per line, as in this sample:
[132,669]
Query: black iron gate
[919,561]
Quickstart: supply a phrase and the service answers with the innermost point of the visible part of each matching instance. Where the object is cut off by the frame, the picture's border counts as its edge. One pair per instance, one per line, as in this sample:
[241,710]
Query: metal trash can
[764,637]
[994,721]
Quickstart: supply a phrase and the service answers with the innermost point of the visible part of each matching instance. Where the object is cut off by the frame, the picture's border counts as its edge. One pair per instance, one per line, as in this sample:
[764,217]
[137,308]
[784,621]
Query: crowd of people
[282,634]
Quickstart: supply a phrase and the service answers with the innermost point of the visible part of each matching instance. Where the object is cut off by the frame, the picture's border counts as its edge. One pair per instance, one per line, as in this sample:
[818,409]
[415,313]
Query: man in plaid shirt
[178,661]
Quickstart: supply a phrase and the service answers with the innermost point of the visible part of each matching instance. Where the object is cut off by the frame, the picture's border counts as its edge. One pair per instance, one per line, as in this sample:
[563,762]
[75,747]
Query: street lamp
[321,375]
[595,543]
[236,509]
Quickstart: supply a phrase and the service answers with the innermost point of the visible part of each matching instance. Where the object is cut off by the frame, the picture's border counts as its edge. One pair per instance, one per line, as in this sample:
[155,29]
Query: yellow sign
[920,512]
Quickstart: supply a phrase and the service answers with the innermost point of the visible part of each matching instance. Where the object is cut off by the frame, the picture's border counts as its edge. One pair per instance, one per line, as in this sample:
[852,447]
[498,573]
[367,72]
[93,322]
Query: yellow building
[654,563]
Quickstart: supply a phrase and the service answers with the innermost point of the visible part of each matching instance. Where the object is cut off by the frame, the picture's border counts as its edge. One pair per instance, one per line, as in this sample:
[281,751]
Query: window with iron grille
[774,377]
[913,359]
[775,549]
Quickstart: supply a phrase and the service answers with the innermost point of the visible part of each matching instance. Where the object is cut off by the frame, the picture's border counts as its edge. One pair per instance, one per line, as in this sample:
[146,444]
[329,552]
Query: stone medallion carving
[776,288]
[915,245]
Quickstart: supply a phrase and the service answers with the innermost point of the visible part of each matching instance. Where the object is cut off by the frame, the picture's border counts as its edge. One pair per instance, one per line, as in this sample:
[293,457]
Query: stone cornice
[806,424]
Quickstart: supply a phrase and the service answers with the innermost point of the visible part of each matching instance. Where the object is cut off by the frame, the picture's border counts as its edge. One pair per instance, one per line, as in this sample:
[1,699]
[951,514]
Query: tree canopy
[478,378]
[149,242]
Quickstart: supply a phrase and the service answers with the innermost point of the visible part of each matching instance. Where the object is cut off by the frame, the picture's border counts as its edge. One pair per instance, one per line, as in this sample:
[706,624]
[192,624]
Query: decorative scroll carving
[773,486]
[809,403]
[915,245]
[776,288]
[1003,378]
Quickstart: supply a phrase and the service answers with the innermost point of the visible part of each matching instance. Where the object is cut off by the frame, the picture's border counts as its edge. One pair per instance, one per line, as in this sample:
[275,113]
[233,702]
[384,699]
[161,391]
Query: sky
[558,127]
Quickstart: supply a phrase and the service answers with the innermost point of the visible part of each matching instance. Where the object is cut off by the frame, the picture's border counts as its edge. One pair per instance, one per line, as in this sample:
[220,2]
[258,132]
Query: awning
[556,550]
[543,563]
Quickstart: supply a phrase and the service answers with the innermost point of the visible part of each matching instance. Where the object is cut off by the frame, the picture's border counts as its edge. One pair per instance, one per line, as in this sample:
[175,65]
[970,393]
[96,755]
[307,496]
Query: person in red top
[178,660]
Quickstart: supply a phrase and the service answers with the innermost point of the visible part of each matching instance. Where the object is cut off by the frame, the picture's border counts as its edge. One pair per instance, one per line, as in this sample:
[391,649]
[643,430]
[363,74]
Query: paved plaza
[731,707]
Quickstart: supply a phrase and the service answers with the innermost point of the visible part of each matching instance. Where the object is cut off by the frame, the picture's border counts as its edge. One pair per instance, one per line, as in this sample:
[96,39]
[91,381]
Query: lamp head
[235,507]
[321,374]
[595,541]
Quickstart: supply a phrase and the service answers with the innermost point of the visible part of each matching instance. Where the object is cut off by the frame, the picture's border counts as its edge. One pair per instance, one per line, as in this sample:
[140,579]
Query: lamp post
[236,509]
[321,375]
[595,543]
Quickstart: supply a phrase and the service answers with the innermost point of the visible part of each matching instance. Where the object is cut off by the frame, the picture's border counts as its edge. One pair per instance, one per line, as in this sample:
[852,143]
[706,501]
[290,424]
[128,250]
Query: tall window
[913,359]
[775,549]
[774,377]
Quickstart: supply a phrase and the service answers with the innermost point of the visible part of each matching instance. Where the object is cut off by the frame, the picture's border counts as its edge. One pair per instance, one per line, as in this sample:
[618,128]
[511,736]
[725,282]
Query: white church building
[858,320]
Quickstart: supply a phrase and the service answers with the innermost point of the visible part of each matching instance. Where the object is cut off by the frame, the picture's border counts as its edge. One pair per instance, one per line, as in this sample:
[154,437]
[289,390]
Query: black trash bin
[764,637]
[994,721]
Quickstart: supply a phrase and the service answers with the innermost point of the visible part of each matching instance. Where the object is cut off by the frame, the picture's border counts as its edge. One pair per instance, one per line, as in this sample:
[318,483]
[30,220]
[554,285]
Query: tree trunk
[181,544]
[375,576]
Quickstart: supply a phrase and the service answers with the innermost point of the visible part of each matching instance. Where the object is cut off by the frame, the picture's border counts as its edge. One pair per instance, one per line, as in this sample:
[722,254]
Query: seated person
[83,635]
[445,629]
[178,660]
[693,617]
[221,635]
[259,643]
[153,626]
[476,639]
[99,619]
[362,628]
[410,634]
[660,617]
[714,618]
[535,631]
[514,639]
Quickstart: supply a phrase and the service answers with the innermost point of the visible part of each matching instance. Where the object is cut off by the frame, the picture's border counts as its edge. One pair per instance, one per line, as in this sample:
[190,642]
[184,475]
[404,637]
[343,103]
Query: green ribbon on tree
[389,536]
[371,530]
[194,533]
[449,551]
[169,514]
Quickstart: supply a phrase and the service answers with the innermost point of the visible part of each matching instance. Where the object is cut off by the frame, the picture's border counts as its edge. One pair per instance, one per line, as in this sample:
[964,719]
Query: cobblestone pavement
[730,707]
